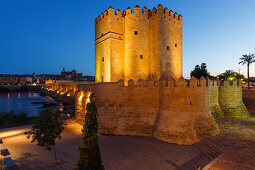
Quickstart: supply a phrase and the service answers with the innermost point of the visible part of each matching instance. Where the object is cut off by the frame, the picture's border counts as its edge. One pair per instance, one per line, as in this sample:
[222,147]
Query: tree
[200,71]
[47,128]
[230,75]
[247,59]
[89,152]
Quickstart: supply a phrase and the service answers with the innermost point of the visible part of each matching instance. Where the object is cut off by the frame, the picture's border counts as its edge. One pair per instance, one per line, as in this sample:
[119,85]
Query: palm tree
[247,59]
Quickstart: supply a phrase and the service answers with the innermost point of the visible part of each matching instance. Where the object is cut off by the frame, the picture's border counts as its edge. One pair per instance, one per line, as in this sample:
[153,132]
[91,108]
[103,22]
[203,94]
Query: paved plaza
[237,141]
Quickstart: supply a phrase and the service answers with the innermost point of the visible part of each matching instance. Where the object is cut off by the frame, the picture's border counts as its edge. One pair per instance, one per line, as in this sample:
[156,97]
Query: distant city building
[65,76]
[73,75]
[15,79]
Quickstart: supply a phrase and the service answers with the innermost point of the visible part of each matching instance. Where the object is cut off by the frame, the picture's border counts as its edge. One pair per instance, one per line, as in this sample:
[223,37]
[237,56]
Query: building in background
[73,75]
[15,79]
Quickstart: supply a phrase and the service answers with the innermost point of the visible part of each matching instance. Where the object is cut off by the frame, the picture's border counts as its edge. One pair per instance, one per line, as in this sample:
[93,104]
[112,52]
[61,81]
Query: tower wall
[170,43]
[155,36]
[140,44]
[137,44]
[109,46]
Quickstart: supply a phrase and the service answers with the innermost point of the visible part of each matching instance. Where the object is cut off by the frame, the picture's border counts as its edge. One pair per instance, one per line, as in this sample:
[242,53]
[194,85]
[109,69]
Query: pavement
[236,140]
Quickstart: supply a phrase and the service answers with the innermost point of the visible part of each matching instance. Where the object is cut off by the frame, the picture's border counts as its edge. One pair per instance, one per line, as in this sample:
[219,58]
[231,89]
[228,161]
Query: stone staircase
[208,149]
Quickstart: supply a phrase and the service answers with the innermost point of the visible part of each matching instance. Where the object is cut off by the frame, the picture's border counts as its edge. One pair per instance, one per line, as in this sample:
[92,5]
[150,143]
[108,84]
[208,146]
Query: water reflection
[21,101]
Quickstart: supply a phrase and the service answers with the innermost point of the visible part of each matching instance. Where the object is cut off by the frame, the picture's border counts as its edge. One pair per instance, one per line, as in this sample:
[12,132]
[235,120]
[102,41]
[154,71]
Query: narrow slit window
[168,48]
[136,32]
[175,45]
[103,59]
[141,56]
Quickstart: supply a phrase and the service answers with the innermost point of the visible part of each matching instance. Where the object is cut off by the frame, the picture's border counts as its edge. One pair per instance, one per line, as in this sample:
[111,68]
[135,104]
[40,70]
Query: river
[21,101]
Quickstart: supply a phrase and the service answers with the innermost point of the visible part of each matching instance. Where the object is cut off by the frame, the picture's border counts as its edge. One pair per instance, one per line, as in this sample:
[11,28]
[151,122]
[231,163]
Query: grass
[10,119]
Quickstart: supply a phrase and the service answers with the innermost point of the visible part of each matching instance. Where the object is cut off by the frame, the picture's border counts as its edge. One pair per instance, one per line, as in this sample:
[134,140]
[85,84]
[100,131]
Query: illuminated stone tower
[138,44]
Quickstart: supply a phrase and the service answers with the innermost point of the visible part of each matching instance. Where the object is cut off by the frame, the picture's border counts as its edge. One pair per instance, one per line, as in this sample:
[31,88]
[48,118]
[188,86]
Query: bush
[10,119]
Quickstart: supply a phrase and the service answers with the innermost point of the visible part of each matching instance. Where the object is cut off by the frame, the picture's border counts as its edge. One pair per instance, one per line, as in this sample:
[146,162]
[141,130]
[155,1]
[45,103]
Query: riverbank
[66,101]
[9,88]
[25,101]
[10,119]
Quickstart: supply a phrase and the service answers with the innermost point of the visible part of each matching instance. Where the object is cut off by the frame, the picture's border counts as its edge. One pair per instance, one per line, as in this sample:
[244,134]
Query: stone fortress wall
[139,85]
[170,110]
[226,99]
[138,44]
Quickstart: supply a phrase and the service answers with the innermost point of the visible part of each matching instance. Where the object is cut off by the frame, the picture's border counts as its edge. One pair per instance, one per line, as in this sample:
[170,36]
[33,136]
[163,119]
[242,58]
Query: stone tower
[138,44]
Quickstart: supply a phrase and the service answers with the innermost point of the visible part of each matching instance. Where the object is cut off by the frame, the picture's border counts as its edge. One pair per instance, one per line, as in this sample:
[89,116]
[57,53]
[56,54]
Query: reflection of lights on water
[8,95]
[19,95]
[29,94]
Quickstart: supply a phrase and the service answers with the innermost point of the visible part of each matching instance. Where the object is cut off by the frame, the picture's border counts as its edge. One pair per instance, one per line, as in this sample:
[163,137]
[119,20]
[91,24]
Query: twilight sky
[43,36]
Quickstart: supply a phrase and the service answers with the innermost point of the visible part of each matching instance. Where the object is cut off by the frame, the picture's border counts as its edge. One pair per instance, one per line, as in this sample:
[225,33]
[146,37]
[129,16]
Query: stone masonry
[138,44]
[226,99]
[139,85]
[169,110]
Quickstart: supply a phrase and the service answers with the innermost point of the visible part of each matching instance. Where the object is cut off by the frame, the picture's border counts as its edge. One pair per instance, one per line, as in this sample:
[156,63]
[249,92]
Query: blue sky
[43,36]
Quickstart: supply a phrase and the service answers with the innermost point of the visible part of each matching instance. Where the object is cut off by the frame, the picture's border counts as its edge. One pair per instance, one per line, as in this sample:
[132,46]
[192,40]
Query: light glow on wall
[88,100]
[88,97]
[81,96]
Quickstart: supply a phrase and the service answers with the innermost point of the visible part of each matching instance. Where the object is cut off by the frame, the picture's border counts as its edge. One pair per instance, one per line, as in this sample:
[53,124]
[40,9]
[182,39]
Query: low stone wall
[230,99]
[249,99]
[214,99]
[226,99]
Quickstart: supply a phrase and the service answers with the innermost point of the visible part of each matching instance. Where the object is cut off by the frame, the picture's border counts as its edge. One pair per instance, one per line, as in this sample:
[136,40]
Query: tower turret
[139,44]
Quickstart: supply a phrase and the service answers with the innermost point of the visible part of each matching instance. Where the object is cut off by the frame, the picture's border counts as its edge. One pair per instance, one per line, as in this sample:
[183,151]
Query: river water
[21,101]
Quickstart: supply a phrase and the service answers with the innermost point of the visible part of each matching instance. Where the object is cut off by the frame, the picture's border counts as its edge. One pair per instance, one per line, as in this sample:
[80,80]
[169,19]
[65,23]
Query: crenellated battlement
[130,44]
[149,108]
[227,83]
[162,83]
[138,10]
